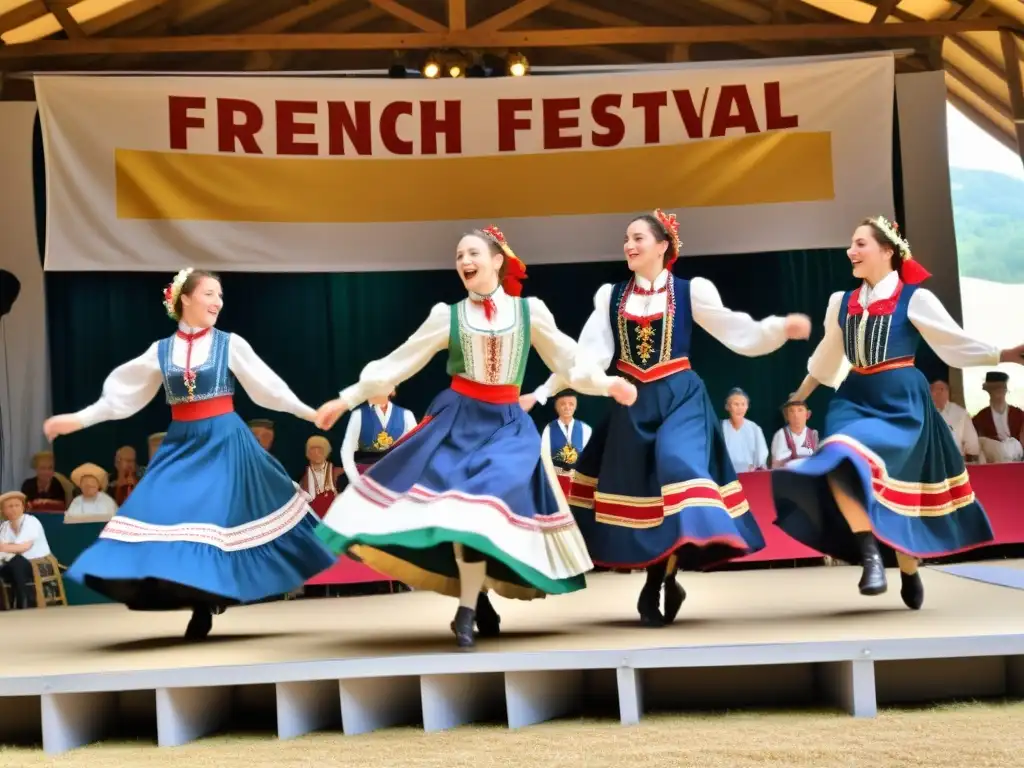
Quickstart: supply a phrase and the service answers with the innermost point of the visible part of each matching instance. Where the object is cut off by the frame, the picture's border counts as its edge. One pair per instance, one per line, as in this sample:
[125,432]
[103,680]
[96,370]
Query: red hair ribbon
[515,269]
[911,272]
[671,225]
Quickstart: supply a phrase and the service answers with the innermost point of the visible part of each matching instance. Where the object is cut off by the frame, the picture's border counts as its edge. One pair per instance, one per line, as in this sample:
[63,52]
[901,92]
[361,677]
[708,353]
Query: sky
[971,147]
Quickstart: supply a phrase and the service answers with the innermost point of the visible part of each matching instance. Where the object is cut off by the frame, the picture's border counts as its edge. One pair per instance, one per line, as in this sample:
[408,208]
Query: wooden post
[1011,60]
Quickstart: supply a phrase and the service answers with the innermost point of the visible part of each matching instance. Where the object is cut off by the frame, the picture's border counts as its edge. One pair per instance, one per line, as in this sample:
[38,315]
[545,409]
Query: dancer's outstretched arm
[827,364]
[739,331]
[126,391]
[381,376]
[263,386]
[954,346]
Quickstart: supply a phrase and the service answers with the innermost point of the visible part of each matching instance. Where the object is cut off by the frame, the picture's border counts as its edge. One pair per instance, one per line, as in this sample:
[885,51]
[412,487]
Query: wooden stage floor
[783,606]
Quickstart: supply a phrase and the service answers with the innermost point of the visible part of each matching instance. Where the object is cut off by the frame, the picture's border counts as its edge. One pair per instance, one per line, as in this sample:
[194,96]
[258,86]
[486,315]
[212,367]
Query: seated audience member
[795,440]
[94,504]
[320,477]
[1000,425]
[22,539]
[565,438]
[154,442]
[263,430]
[125,476]
[44,492]
[958,419]
[373,428]
[743,438]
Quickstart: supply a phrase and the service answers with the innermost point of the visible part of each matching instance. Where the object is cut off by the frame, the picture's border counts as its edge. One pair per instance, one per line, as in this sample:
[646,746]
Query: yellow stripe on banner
[780,167]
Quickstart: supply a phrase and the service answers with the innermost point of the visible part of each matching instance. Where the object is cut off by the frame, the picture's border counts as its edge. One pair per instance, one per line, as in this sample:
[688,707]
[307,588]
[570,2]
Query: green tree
[988,212]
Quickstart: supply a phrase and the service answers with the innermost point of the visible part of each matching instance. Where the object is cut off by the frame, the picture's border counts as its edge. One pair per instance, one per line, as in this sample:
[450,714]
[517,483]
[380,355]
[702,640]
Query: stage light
[454,70]
[517,65]
[432,67]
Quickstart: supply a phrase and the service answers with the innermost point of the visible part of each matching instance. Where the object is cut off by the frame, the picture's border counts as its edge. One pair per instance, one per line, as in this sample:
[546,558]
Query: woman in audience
[216,521]
[44,492]
[888,469]
[465,501]
[655,487]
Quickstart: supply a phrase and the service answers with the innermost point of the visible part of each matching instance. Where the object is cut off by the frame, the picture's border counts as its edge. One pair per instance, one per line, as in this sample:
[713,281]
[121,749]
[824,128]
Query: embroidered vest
[650,348]
[328,486]
[810,441]
[373,438]
[489,357]
[565,453]
[881,332]
[213,377]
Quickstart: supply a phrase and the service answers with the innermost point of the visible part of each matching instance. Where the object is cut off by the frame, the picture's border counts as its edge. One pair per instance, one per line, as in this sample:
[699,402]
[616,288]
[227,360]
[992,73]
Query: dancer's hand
[1015,355]
[798,327]
[327,415]
[622,391]
[526,402]
[55,426]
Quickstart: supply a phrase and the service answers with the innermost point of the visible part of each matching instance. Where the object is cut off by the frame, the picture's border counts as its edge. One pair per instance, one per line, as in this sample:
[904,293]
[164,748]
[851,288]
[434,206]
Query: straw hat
[321,441]
[14,495]
[94,470]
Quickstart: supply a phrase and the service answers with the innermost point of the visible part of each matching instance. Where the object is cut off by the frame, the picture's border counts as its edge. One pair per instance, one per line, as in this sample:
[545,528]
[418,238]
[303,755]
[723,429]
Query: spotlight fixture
[397,71]
[517,65]
[432,66]
[455,70]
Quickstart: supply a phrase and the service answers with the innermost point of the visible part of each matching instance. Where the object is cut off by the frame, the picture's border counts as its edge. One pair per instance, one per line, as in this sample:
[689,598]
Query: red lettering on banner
[651,103]
[555,121]
[288,128]
[393,143]
[509,122]
[774,119]
[724,119]
[613,124]
[450,125]
[341,125]
[179,120]
[693,119]
[245,132]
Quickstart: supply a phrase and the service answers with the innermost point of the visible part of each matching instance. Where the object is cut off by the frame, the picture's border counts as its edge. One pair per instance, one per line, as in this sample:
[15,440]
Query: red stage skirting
[995,485]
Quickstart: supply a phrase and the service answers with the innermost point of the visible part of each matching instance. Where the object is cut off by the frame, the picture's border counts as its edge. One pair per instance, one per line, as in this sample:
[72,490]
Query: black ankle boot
[872,580]
[912,590]
[488,622]
[463,626]
[200,624]
[648,606]
[674,597]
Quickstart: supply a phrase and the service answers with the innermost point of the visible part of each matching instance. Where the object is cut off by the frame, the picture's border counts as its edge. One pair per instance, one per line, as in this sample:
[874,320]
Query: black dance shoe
[488,622]
[872,580]
[200,624]
[912,590]
[463,627]
[647,606]
[674,597]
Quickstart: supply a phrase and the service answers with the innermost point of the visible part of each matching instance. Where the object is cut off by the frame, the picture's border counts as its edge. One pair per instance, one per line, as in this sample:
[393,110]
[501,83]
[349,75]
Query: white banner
[303,174]
[24,357]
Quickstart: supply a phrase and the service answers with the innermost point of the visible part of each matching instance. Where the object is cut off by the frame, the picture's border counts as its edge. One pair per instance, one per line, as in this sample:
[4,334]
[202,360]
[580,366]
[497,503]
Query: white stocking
[471,578]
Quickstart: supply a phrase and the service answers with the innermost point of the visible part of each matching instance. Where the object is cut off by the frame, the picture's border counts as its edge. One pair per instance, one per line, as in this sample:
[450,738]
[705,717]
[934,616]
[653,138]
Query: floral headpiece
[909,270]
[515,269]
[671,225]
[173,291]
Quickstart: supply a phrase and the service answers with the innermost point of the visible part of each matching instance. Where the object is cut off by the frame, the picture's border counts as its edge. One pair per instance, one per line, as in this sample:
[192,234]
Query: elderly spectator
[1000,426]
[22,539]
[958,419]
[743,438]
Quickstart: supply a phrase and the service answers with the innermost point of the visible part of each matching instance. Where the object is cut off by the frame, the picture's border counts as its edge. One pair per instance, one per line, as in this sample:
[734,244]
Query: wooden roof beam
[476,38]
[456,15]
[1015,86]
[972,9]
[409,16]
[261,61]
[883,11]
[590,13]
[511,15]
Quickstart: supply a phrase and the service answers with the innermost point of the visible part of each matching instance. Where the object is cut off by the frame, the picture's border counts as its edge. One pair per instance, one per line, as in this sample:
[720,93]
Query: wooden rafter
[409,16]
[511,15]
[972,9]
[347,23]
[1014,85]
[883,11]
[590,13]
[65,19]
[456,15]
[991,100]
[779,8]
[282,22]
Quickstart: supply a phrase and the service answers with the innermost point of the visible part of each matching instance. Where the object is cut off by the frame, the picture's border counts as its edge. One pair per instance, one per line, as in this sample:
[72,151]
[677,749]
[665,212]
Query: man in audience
[125,476]
[1000,426]
[795,440]
[958,419]
[263,429]
[743,438]
[94,504]
[22,539]
[565,438]
[44,492]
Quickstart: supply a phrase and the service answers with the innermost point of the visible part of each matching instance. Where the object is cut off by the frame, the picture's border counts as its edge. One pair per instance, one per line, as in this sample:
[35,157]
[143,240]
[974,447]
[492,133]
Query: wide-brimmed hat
[261,424]
[14,495]
[93,470]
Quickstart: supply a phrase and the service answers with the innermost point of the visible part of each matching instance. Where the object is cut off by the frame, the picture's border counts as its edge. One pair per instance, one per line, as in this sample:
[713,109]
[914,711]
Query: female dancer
[466,501]
[215,521]
[655,487]
[888,468]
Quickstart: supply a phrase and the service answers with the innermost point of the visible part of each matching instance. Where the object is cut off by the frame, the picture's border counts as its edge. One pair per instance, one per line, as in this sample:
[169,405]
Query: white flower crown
[892,231]
[173,291]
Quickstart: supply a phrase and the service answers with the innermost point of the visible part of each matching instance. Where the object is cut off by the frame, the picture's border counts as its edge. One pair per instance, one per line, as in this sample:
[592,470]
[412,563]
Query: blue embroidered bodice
[644,347]
[213,377]
[881,332]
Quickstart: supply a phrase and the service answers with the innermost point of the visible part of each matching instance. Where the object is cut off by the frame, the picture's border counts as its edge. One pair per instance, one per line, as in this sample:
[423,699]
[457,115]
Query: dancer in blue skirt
[888,468]
[216,521]
[466,502]
[655,487]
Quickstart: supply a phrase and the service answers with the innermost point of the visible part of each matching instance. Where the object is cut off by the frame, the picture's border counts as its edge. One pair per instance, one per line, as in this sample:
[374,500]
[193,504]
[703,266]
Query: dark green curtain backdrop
[318,330]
